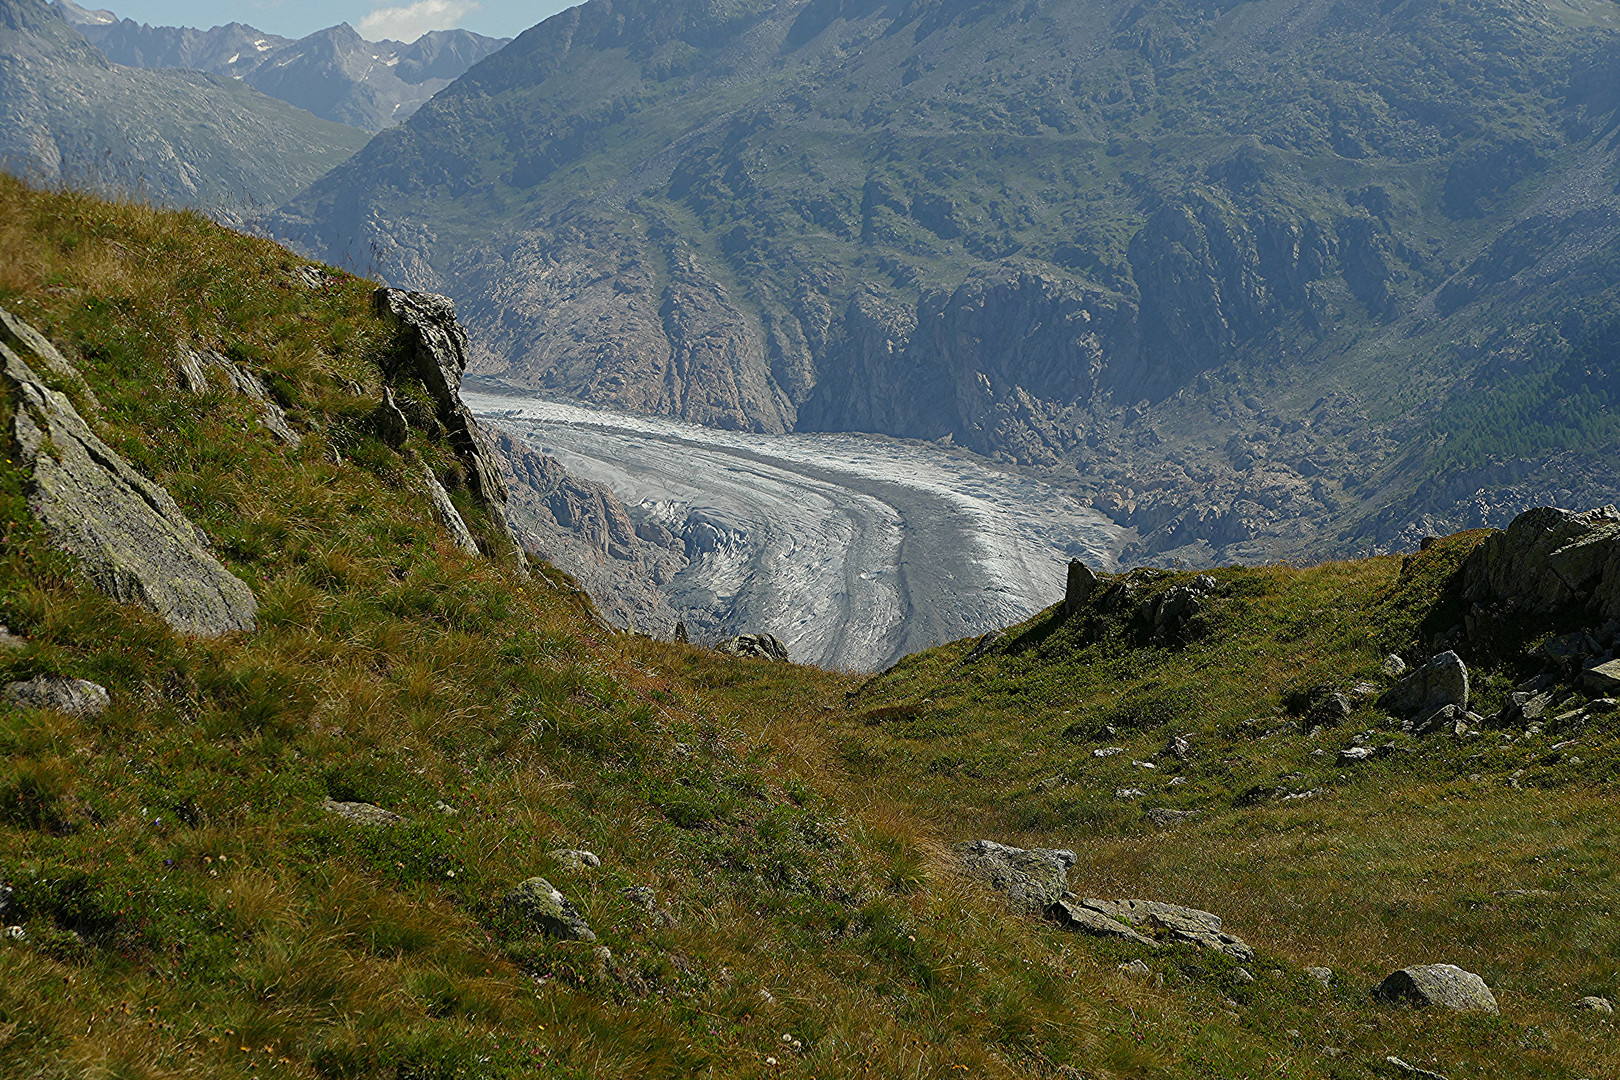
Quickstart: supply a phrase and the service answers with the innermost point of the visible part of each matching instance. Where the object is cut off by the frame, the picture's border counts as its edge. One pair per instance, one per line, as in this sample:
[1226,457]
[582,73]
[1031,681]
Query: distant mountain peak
[334,72]
[82,16]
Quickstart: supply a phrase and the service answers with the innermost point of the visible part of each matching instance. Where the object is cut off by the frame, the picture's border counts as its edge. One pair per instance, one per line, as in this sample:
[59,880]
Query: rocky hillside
[303,772]
[181,138]
[1261,279]
[333,73]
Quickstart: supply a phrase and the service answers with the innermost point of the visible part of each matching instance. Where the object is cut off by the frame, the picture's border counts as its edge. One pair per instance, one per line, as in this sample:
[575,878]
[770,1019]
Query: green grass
[191,911]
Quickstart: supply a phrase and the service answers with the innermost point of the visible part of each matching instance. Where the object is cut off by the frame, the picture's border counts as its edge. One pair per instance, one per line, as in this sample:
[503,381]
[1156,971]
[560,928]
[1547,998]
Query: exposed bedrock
[131,539]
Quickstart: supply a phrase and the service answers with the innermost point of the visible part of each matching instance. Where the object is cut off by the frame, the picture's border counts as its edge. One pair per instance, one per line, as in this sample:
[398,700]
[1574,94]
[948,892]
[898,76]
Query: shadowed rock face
[132,541]
[1549,559]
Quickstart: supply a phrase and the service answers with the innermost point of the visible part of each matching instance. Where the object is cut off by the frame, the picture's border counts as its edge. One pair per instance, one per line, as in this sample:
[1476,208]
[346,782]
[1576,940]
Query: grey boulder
[1164,817]
[755,646]
[131,539]
[76,697]
[1604,678]
[1082,583]
[543,908]
[1440,682]
[1032,878]
[1073,915]
[1445,985]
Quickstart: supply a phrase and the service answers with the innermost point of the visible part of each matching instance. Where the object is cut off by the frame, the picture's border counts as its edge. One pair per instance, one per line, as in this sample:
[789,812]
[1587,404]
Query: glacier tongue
[853,549]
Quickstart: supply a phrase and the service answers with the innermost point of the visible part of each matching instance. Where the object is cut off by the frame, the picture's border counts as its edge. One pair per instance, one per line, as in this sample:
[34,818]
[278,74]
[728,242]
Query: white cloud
[411,21]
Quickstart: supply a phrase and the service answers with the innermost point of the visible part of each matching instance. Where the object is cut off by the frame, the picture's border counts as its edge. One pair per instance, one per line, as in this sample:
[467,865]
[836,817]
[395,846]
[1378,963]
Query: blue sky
[397,19]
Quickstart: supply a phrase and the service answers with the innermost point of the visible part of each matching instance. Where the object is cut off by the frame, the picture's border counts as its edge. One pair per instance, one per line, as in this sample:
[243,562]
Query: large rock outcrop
[1548,559]
[434,345]
[131,539]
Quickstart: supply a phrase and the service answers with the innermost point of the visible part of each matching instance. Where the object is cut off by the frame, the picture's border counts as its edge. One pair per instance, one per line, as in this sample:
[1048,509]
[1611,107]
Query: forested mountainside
[304,773]
[333,73]
[1263,277]
[175,137]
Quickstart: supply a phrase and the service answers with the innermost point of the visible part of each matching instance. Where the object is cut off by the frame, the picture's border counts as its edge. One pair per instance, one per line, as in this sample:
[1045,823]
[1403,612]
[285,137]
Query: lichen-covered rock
[362,813]
[132,541]
[575,859]
[1174,923]
[77,697]
[1440,682]
[30,344]
[435,345]
[757,646]
[1032,878]
[539,904]
[448,515]
[1445,985]
[1072,915]
[1547,560]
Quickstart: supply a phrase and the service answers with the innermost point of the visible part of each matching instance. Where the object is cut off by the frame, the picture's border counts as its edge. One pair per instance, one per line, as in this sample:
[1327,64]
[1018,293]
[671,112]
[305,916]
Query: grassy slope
[1491,853]
[192,912]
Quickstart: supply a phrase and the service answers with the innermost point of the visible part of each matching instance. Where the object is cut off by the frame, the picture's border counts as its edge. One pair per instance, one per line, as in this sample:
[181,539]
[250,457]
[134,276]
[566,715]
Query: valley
[853,549]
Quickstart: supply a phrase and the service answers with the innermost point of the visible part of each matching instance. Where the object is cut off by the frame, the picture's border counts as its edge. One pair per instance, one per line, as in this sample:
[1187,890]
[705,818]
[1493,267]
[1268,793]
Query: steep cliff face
[583,529]
[1110,240]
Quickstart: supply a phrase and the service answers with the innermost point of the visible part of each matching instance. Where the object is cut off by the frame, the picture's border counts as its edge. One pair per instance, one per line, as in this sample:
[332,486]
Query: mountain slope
[178,137]
[333,73]
[1215,263]
[780,891]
